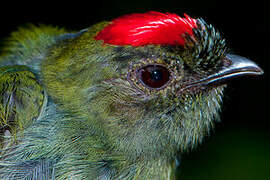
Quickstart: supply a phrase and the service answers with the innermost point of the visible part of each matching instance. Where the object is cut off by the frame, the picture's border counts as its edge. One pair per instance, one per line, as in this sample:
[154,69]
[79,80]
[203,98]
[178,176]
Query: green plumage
[22,98]
[80,113]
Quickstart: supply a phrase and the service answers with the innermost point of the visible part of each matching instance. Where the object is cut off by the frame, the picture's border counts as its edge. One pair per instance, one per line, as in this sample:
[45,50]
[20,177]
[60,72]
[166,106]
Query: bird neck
[159,169]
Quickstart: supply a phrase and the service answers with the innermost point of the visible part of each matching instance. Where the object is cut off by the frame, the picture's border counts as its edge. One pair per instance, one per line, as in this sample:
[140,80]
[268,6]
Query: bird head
[144,85]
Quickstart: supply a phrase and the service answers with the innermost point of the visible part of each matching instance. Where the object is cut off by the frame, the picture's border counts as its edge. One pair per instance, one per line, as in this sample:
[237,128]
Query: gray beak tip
[238,66]
[242,66]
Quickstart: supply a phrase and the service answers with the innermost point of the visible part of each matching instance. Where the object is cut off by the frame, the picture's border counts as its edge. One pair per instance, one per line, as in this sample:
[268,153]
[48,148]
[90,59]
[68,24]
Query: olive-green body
[78,112]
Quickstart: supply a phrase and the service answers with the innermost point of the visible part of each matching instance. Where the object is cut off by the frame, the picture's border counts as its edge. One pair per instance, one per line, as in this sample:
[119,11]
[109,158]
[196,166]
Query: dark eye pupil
[154,76]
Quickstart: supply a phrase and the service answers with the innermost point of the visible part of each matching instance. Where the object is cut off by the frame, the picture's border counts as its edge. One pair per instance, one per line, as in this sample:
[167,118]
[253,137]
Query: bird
[122,99]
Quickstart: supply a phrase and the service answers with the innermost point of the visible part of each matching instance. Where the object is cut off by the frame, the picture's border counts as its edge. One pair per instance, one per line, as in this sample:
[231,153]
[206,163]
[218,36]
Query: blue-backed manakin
[119,100]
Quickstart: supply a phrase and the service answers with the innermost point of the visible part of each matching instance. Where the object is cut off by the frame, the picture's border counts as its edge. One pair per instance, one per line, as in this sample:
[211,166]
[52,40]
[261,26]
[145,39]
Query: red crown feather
[148,28]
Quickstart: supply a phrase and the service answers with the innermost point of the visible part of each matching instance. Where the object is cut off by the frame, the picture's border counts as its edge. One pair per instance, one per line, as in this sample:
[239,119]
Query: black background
[239,147]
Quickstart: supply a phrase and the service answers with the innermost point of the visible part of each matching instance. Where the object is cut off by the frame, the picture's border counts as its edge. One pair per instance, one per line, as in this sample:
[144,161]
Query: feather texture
[100,122]
[148,28]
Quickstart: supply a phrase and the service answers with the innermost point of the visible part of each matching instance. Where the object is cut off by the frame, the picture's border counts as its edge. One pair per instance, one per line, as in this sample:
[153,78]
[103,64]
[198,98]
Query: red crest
[148,28]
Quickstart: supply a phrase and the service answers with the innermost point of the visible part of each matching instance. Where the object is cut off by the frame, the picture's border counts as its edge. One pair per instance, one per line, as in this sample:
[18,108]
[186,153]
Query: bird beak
[235,66]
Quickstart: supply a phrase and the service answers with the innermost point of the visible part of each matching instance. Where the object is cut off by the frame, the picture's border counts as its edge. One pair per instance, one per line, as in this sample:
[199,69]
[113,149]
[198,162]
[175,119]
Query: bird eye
[154,76]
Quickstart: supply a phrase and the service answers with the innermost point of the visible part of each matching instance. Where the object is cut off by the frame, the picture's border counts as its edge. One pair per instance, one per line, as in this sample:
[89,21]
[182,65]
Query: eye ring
[154,76]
